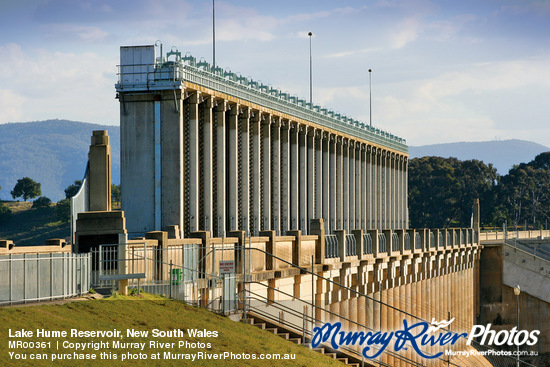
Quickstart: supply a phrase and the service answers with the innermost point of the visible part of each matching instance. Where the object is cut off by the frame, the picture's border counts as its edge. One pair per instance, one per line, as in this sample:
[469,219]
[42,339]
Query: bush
[5,212]
[41,202]
[63,210]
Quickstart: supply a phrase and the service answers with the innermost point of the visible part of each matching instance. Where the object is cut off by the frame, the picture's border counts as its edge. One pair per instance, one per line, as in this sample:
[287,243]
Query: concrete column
[318,229]
[368,178]
[352,200]
[100,172]
[220,191]
[375,188]
[331,225]
[345,184]
[387,187]
[205,222]
[339,184]
[276,176]
[310,176]
[326,180]
[255,178]
[319,183]
[244,169]
[358,234]
[193,162]
[400,192]
[405,194]
[294,177]
[391,190]
[341,236]
[137,156]
[360,188]
[382,174]
[266,172]
[233,169]
[302,178]
[285,177]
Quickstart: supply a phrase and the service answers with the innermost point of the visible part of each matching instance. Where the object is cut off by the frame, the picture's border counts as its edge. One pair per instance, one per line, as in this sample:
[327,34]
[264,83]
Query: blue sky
[443,71]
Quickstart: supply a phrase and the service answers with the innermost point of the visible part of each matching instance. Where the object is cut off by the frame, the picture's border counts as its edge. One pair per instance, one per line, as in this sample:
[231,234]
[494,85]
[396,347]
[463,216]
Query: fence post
[297,247]
[374,240]
[270,248]
[341,236]
[358,234]
[317,228]
[171,278]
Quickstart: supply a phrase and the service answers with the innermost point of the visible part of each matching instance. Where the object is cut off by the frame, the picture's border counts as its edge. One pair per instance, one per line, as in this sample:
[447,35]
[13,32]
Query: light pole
[370,96]
[310,73]
[213,35]
[517,291]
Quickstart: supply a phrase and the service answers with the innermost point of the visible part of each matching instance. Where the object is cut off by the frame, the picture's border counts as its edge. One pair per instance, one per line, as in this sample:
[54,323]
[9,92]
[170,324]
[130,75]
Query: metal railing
[394,242]
[331,246]
[367,244]
[40,277]
[351,245]
[407,241]
[417,241]
[255,94]
[382,247]
[298,319]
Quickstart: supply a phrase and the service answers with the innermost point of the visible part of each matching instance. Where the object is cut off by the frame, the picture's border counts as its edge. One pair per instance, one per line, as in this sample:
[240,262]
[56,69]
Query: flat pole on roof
[310,73]
[213,35]
[370,96]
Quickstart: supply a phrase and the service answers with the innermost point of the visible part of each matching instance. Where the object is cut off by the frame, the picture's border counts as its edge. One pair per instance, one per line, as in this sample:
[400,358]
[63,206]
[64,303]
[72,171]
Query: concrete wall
[206,161]
[499,303]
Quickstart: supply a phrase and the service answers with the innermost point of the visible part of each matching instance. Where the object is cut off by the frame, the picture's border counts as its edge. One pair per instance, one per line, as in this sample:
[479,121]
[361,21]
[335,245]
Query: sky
[442,71]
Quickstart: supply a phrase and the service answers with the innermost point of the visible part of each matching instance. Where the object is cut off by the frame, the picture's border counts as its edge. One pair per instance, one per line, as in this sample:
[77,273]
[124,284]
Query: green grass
[147,312]
[32,227]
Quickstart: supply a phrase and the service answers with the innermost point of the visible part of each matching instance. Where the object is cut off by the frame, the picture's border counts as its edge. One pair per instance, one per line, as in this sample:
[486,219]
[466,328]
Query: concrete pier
[203,158]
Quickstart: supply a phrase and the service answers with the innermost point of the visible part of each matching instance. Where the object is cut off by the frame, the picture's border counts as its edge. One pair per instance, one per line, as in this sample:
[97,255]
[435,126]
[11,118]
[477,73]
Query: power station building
[207,149]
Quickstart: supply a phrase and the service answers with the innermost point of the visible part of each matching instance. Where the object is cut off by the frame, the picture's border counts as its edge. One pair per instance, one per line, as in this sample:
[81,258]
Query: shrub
[63,210]
[41,202]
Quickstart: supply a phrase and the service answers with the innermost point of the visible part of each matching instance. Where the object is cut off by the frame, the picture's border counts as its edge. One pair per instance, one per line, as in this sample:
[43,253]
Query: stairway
[296,338]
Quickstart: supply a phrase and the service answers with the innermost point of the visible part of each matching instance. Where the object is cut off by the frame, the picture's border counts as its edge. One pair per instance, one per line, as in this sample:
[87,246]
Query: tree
[63,210]
[442,191]
[41,202]
[115,193]
[26,188]
[524,193]
[72,189]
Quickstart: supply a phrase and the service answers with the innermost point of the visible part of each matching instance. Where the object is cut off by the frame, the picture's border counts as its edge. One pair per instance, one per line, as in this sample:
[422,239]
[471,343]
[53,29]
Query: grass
[32,227]
[145,313]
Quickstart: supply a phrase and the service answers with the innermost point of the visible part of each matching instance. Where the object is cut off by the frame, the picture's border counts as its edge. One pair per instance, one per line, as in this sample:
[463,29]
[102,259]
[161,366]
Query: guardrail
[255,94]
[40,277]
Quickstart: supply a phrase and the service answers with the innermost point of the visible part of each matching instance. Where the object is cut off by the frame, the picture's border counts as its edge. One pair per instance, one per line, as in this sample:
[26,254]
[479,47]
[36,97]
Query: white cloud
[75,32]
[405,32]
[57,85]
[11,106]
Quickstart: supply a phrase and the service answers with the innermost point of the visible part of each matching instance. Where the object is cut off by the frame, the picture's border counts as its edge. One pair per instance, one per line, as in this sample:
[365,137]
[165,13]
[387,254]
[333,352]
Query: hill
[52,152]
[146,313]
[503,154]
[32,227]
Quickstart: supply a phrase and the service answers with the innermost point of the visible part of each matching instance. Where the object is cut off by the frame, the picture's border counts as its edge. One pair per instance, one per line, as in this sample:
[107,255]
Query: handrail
[189,73]
[530,254]
[314,320]
[305,270]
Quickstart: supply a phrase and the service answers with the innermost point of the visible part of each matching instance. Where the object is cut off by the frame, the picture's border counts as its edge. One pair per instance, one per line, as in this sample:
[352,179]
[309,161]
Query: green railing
[172,75]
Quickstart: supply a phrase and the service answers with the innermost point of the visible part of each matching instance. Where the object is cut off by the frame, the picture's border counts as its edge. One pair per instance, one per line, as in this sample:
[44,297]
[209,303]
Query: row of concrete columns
[275,173]
[279,174]
[438,287]
[223,166]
